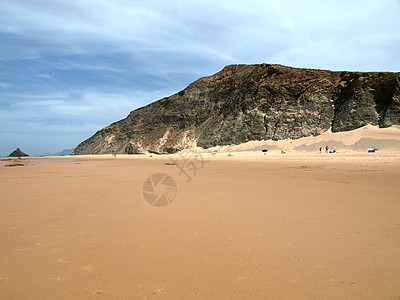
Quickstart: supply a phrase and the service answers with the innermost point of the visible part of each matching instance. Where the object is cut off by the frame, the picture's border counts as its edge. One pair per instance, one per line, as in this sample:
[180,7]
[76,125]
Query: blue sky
[70,68]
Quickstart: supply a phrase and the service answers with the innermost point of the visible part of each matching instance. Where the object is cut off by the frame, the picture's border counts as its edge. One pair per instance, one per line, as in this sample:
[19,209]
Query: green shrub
[165,103]
[260,75]
[181,93]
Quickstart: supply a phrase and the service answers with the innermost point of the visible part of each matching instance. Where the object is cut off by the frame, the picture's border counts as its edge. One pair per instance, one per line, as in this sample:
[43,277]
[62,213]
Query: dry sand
[250,226]
[359,140]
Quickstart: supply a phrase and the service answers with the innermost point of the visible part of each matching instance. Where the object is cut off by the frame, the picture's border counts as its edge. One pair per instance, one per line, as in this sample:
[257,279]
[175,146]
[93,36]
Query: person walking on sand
[320,149]
[326,149]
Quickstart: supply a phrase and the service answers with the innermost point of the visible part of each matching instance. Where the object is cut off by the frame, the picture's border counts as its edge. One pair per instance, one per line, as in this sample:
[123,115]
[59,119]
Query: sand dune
[358,140]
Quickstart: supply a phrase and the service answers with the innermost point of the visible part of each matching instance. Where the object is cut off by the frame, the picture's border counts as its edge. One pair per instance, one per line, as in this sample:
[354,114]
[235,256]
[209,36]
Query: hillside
[245,103]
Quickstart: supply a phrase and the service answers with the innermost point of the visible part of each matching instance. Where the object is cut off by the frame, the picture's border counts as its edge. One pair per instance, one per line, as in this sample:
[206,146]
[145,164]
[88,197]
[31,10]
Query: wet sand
[298,226]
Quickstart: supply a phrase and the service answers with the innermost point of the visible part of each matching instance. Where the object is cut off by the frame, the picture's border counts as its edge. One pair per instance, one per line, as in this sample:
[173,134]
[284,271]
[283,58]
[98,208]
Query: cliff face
[254,102]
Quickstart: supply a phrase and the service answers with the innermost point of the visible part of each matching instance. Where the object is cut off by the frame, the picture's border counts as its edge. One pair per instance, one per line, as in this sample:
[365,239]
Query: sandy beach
[311,226]
[199,150]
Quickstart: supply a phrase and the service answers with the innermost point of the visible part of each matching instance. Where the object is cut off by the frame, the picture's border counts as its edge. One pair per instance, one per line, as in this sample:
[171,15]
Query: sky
[70,68]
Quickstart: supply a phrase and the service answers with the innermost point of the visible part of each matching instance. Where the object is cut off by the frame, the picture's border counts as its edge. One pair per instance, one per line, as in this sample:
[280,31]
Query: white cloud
[46,76]
[228,31]
[77,107]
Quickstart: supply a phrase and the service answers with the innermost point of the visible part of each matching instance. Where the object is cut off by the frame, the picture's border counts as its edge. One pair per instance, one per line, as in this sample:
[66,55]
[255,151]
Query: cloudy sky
[69,68]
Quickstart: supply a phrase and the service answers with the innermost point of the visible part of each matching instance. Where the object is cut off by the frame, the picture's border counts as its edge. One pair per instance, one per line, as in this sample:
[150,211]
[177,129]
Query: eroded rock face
[17,153]
[254,102]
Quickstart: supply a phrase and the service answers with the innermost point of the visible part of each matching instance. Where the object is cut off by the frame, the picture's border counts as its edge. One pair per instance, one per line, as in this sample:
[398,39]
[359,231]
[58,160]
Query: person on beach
[320,149]
[326,149]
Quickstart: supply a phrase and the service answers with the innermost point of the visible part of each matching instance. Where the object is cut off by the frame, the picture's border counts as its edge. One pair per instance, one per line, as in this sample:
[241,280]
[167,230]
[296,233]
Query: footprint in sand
[54,250]
[351,283]
[298,258]
[98,292]
[158,292]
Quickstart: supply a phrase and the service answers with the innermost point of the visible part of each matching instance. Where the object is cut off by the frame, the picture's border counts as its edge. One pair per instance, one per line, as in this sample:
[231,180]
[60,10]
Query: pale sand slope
[361,139]
[278,227]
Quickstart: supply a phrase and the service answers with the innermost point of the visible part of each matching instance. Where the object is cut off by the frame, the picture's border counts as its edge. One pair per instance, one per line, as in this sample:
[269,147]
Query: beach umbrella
[334,148]
[371,150]
[376,149]
[264,150]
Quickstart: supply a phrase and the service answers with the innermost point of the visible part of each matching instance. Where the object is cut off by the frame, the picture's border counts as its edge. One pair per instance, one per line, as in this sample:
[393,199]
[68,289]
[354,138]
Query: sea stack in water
[244,103]
[17,153]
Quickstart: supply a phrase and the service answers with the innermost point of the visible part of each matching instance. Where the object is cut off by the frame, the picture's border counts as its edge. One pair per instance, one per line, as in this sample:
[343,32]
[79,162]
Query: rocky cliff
[254,102]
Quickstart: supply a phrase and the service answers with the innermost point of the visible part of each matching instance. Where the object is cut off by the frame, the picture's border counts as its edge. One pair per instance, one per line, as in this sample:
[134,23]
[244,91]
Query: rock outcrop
[17,153]
[254,102]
